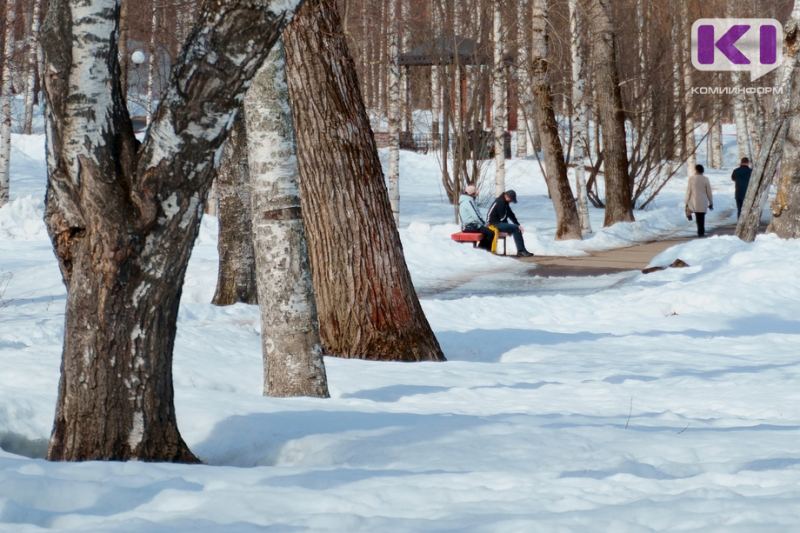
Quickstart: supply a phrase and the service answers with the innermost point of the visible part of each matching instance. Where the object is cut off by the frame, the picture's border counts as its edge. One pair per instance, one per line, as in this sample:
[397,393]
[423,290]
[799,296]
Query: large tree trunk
[123,217]
[291,345]
[786,206]
[780,125]
[612,117]
[236,278]
[365,299]
[567,223]
[5,98]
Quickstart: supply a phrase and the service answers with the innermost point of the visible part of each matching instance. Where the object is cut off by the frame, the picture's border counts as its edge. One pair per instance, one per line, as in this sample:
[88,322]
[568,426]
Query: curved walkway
[612,261]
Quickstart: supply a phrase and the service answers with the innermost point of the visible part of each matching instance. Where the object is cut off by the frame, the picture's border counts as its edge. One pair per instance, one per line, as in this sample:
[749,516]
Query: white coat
[698,194]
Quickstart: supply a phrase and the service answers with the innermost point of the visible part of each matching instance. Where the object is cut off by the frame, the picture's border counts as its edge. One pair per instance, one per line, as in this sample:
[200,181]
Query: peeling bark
[123,217]
[365,299]
[291,345]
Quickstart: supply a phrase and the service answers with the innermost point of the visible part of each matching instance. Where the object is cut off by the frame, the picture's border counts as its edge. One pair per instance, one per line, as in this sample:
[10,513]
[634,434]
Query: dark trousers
[701,223]
[513,229]
[488,236]
[739,207]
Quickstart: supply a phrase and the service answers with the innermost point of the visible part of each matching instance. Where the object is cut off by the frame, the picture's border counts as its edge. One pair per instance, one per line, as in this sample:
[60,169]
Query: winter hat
[511,194]
[470,190]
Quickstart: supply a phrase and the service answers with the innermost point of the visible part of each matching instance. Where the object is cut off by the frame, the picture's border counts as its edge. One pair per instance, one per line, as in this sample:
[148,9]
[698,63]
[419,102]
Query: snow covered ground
[657,402]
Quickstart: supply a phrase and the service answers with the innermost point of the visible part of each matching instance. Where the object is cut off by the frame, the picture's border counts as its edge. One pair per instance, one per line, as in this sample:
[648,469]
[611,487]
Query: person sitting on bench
[471,220]
[499,214]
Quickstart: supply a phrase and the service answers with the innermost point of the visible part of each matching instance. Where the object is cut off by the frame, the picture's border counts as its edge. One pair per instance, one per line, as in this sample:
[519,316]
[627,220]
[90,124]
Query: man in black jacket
[741,176]
[499,214]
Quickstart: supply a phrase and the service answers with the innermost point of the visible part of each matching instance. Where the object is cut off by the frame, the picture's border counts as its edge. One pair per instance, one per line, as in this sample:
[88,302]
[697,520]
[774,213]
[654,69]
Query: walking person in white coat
[698,198]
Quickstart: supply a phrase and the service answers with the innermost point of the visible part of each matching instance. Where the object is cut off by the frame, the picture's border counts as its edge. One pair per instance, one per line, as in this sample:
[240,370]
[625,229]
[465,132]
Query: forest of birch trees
[660,116]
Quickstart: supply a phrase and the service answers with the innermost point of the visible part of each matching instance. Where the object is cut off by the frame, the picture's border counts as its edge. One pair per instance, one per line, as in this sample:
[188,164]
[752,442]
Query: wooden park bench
[475,237]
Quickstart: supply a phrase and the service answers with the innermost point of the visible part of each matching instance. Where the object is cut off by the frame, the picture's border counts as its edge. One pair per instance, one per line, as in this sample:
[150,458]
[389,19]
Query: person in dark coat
[741,176]
[499,215]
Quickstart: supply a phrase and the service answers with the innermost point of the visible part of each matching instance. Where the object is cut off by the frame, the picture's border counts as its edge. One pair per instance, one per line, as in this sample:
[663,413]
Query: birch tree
[5,105]
[580,116]
[499,97]
[290,340]
[567,223]
[781,124]
[394,112]
[786,206]
[366,302]
[236,277]
[122,216]
[32,66]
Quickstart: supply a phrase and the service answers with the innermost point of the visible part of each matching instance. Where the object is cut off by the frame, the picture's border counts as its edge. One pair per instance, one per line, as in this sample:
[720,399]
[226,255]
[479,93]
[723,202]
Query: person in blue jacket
[499,215]
[471,219]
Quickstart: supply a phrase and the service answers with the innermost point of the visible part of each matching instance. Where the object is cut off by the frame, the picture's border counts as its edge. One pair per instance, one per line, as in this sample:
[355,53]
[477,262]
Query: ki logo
[754,45]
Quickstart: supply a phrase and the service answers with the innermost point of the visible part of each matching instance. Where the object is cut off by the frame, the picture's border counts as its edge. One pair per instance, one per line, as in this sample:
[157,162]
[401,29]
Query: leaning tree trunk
[568,225]
[236,277]
[291,345]
[786,206]
[5,107]
[365,299]
[780,123]
[612,117]
[123,217]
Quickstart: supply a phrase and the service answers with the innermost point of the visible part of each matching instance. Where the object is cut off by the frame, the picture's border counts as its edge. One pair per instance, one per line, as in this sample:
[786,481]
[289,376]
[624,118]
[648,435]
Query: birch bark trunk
[740,116]
[786,206]
[236,277]
[567,222]
[612,116]
[366,302]
[780,124]
[32,66]
[498,99]
[290,340]
[394,113]
[123,217]
[5,106]
[580,117]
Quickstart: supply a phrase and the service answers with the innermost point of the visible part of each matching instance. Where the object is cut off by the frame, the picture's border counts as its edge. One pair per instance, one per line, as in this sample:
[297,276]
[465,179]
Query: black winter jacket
[500,211]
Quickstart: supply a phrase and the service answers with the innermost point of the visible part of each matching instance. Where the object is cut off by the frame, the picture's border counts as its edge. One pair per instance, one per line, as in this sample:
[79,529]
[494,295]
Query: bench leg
[505,246]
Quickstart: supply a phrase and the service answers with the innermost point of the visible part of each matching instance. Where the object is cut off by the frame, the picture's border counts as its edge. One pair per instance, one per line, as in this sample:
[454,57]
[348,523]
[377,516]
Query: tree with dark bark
[123,217]
[619,207]
[236,278]
[568,224]
[366,302]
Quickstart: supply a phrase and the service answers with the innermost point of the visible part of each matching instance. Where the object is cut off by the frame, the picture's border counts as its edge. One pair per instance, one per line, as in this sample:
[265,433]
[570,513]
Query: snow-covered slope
[667,401]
